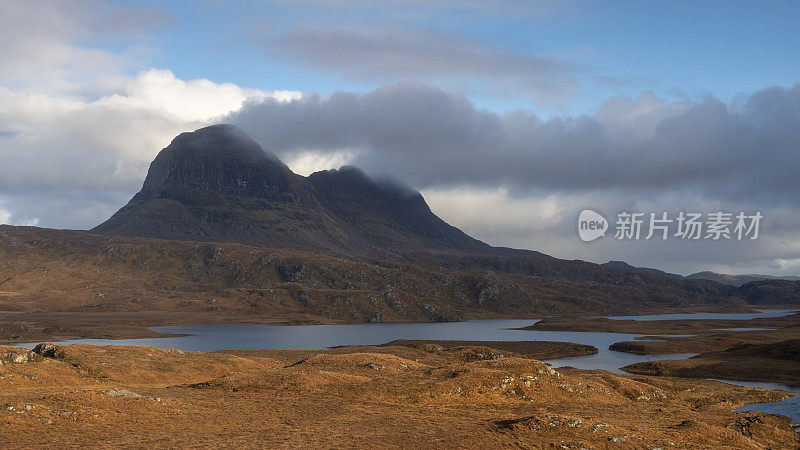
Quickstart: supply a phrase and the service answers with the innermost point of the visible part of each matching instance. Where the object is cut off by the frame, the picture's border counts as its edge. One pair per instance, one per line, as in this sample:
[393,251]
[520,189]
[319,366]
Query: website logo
[591,225]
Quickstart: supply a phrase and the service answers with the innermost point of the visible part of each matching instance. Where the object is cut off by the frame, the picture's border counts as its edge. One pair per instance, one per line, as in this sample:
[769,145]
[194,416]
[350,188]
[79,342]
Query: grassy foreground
[404,395]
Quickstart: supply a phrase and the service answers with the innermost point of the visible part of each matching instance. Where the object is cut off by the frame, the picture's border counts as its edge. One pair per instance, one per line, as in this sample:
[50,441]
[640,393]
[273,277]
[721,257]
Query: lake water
[316,337]
[208,338]
[789,407]
[215,337]
[759,314]
[744,329]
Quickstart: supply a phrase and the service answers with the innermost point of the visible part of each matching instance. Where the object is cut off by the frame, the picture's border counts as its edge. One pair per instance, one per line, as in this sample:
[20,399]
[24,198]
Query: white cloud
[631,121]
[495,215]
[309,161]
[7,219]
[56,143]
[194,100]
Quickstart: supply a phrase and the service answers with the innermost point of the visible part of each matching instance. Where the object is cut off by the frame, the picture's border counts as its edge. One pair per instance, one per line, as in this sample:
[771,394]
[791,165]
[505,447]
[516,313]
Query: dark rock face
[219,160]
[217,184]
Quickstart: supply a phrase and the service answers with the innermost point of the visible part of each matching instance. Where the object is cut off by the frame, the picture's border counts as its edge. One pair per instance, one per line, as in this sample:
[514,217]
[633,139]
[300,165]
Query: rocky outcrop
[15,355]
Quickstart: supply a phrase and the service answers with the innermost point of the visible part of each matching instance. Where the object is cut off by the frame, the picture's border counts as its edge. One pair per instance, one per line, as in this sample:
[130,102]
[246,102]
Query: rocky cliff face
[217,184]
[219,159]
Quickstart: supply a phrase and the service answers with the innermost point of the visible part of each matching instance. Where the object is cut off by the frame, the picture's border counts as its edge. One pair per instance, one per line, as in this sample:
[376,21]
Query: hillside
[95,284]
[770,292]
[736,280]
[625,266]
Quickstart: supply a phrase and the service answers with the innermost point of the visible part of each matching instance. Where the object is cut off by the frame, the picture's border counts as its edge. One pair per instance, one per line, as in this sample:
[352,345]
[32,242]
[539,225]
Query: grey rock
[121,393]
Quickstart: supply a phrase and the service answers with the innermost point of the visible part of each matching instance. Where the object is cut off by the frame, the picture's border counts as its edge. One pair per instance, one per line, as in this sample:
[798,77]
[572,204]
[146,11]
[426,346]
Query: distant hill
[735,280]
[730,280]
[64,278]
[622,265]
[766,292]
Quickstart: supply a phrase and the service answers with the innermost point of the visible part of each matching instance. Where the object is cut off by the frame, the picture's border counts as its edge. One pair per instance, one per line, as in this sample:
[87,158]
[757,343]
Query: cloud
[498,216]
[6,218]
[397,54]
[432,138]
[193,100]
[77,132]
[307,162]
[38,41]
[548,222]
[518,180]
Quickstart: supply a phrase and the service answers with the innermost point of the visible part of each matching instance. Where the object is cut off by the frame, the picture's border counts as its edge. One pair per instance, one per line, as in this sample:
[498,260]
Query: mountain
[622,265]
[217,184]
[735,280]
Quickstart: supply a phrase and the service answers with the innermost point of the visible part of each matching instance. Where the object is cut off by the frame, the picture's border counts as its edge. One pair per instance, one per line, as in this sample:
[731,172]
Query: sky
[511,117]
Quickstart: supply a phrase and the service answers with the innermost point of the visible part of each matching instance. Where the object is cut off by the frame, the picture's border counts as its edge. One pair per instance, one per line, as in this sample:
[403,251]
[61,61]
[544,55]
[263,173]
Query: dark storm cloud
[403,54]
[431,138]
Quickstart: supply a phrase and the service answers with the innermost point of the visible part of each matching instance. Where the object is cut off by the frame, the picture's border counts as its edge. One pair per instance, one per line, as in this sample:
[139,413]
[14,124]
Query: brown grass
[419,397]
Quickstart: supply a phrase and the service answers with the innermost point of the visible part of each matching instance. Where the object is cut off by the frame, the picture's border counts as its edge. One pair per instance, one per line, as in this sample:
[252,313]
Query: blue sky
[680,50]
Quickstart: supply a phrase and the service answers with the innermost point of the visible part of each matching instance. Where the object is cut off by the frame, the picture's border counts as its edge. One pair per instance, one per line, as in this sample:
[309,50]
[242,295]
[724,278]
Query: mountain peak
[221,140]
[218,159]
